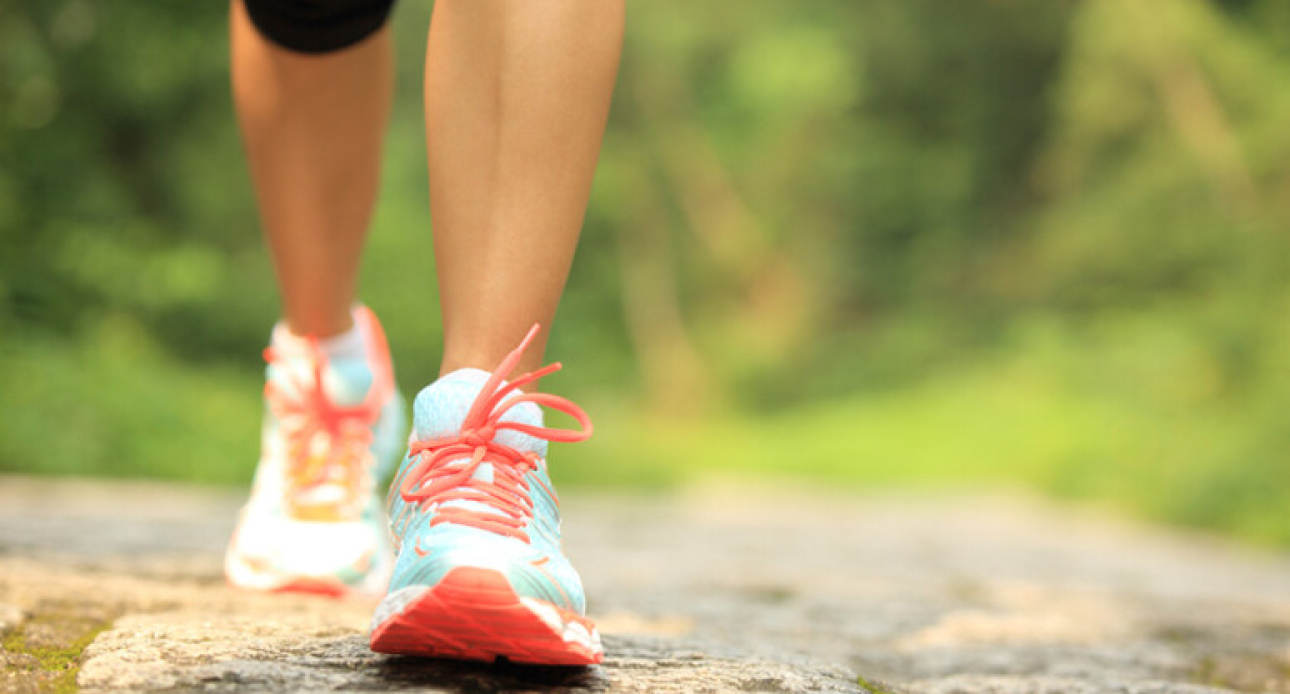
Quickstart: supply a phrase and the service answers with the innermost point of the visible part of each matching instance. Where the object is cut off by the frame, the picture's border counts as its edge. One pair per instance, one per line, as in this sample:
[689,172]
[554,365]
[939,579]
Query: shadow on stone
[449,675]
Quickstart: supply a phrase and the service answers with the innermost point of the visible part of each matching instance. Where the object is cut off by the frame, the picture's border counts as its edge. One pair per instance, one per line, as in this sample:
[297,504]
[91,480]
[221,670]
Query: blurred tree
[800,205]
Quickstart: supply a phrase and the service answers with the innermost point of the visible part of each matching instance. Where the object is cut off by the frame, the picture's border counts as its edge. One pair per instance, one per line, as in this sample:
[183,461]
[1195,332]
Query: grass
[1136,414]
[871,687]
[58,664]
[1137,418]
[115,405]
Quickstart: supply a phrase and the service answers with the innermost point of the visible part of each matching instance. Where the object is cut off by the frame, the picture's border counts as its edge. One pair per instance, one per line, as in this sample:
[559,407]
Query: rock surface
[702,591]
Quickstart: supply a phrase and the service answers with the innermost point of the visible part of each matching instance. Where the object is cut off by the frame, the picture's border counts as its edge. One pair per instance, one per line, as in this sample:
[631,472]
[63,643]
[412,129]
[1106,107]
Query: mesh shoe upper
[314,514]
[474,490]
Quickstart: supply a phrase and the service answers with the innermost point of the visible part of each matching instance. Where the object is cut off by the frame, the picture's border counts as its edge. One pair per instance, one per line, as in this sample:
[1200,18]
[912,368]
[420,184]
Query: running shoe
[315,522]
[480,573]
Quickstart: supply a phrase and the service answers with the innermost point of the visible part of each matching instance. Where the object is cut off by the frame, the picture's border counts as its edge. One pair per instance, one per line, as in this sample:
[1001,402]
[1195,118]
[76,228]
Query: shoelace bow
[304,412]
[434,480]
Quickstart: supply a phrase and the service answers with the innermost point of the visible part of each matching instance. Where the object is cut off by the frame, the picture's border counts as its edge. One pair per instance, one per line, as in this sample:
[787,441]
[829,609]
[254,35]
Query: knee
[317,26]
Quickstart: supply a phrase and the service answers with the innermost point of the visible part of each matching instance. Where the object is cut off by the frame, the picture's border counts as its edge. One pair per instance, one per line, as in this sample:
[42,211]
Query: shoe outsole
[321,587]
[474,614]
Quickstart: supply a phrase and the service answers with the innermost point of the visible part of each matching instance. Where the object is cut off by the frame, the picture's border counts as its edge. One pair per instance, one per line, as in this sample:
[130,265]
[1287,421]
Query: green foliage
[905,242]
[57,655]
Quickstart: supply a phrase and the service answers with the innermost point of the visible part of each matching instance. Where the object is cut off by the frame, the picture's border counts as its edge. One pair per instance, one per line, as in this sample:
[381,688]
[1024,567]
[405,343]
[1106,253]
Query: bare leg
[517,94]
[313,126]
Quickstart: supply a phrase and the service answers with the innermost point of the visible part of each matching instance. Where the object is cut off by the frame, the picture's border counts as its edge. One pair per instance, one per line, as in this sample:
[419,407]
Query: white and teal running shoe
[333,428]
[480,574]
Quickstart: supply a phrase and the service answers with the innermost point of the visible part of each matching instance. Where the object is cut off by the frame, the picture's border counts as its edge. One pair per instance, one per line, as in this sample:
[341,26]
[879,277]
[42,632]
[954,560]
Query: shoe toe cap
[429,558]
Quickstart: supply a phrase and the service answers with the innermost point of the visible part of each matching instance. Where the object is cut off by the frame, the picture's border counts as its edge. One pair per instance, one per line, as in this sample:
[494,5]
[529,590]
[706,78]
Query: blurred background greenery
[902,243]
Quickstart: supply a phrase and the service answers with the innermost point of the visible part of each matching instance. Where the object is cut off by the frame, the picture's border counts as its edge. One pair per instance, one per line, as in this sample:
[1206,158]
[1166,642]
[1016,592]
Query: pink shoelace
[434,480]
[305,413]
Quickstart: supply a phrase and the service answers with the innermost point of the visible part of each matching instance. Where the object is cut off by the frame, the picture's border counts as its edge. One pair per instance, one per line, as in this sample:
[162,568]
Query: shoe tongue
[441,407]
[346,381]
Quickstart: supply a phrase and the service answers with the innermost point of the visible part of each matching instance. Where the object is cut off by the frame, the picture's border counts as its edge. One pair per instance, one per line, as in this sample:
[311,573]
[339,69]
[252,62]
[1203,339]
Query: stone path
[704,591]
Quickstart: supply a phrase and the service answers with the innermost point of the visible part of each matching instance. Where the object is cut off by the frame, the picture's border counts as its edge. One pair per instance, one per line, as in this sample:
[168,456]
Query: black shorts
[317,26]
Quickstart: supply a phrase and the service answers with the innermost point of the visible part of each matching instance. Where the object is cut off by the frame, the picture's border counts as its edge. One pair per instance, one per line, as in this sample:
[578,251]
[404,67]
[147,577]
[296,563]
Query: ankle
[319,325]
[486,358]
[350,343]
